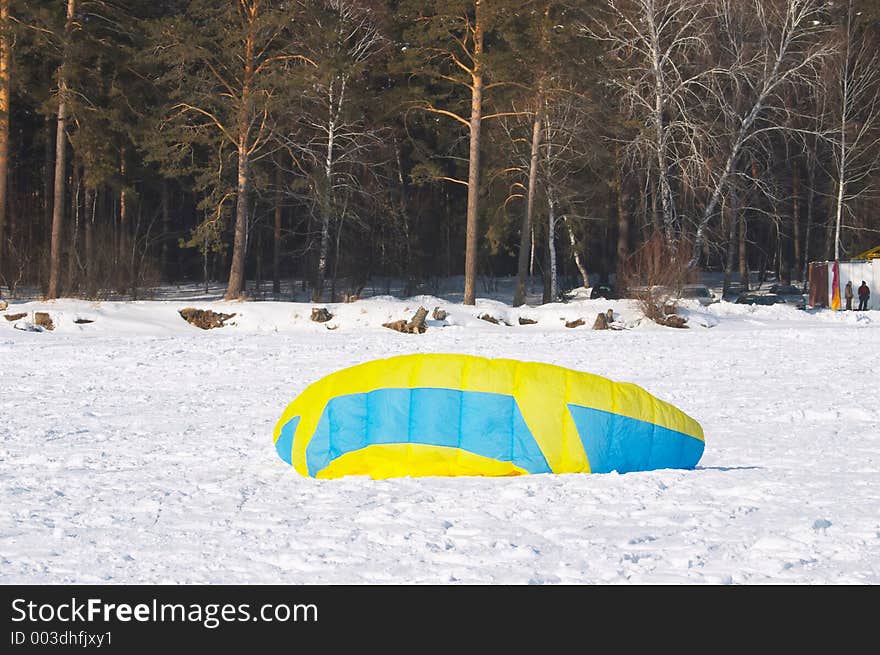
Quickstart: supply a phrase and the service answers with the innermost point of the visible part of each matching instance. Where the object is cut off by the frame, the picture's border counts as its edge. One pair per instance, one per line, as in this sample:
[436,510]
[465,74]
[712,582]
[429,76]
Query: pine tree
[5,75]
[450,45]
[60,157]
[226,66]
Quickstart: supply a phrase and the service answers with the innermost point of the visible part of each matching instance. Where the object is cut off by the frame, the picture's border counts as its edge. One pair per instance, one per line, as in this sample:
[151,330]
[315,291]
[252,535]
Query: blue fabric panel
[435,416]
[284,445]
[387,413]
[348,423]
[486,424]
[623,444]
[318,449]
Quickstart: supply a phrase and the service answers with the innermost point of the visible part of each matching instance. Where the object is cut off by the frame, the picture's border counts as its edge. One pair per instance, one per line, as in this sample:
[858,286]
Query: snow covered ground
[138,449]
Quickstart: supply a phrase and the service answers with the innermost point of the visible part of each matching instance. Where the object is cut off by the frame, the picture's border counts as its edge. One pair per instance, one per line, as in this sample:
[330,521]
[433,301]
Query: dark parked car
[752,298]
[733,292]
[603,290]
[790,294]
[700,293]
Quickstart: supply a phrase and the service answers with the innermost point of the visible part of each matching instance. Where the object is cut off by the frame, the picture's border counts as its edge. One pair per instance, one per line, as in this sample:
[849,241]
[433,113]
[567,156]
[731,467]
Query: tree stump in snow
[609,316]
[439,314]
[321,315]
[416,325]
[576,323]
[14,317]
[204,318]
[601,322]
[399,326]
[527,321]
[675,321]
[3,305]
[491,319]
[43,320]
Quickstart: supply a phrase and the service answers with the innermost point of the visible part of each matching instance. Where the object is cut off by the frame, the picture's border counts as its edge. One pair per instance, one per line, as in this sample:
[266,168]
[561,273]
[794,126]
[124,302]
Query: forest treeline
[331,141]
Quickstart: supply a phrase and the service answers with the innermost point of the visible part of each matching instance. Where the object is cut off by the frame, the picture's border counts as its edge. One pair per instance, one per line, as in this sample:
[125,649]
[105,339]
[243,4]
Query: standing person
[848,294]
[864,294]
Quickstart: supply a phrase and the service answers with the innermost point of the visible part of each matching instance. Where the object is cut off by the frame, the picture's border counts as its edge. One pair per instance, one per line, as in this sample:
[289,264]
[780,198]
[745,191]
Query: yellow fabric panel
[542,391]
[381,461]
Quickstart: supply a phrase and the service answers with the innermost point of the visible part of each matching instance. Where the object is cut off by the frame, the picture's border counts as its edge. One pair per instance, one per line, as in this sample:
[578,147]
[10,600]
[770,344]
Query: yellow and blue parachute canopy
[450,415]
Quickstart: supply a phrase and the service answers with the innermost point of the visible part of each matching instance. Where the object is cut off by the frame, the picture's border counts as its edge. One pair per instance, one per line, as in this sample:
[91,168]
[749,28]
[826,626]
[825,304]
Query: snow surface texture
[138,449]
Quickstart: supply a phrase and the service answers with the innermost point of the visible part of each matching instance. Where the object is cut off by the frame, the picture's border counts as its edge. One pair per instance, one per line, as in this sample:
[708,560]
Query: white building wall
[856,271]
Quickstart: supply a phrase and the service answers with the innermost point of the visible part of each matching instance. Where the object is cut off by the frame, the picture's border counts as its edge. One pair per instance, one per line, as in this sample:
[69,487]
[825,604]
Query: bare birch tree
[660,47]
[566,153]
[855,144]
[345,39]
[765,48]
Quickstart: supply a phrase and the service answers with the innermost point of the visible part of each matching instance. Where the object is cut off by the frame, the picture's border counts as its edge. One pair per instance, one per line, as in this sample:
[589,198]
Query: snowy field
[138,449]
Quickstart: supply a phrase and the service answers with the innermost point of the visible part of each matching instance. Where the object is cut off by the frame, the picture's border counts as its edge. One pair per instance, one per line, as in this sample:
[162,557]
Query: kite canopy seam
[454,415]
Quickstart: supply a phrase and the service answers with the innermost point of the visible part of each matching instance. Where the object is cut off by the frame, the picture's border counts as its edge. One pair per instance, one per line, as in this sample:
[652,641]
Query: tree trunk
[551,247]
[259,262]
[334,277]
[526,239]
[122,253]
[655,213]
[89,238]
[782,268]
[532,250]
[842,162]
[235,286]
[205,263]
[811,205]
[732,211]
[327,198]
[5,72]
[829,229]
[276,237]
[662,146]
[57,204]
[622,219]
[323,253]
[841,187]
[743,253]
[131,263]
[60,150]
[797,272]
[470,255]
[73,255]
[166,231]
[412,276]
[577,256]
[522,269]
[48,172]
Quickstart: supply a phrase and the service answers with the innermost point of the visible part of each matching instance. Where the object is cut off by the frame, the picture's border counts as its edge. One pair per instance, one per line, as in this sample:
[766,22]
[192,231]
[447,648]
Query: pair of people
[864,294]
